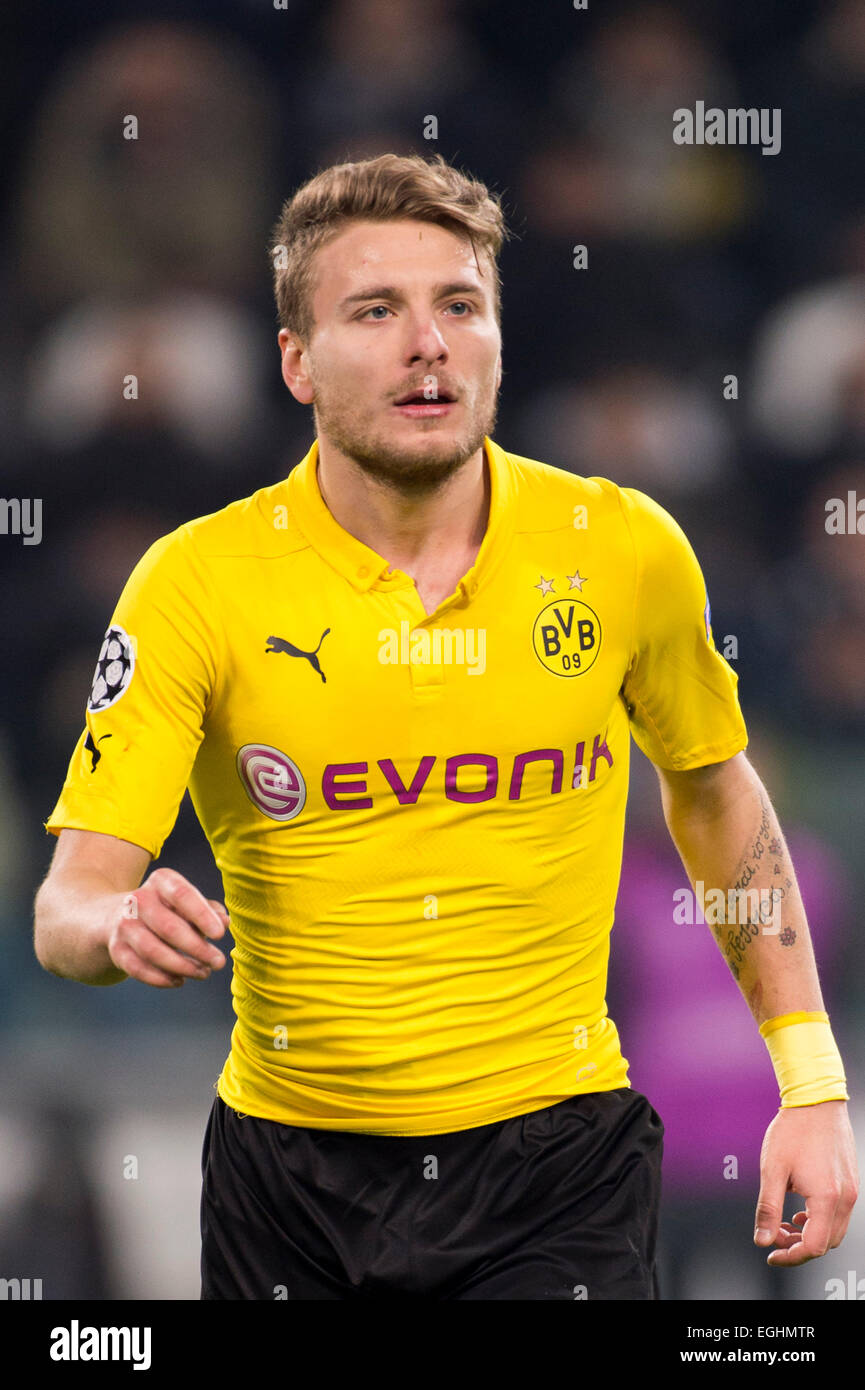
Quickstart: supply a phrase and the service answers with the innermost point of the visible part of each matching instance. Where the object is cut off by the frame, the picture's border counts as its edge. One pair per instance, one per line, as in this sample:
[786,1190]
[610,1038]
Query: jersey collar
[364,567]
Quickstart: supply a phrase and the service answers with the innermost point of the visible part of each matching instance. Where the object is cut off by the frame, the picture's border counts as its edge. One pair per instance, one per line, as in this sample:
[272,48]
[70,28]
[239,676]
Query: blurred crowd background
[148,256]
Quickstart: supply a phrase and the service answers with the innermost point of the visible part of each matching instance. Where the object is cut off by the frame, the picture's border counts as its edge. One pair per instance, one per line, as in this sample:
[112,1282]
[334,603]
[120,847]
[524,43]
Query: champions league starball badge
[114,670]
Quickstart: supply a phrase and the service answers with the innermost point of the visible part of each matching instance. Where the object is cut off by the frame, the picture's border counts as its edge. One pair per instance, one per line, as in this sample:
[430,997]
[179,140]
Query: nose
[425,340]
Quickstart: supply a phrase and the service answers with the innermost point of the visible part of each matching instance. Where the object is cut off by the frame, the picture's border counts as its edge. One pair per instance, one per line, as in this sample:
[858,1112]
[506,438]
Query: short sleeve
[155,675]
[681,694]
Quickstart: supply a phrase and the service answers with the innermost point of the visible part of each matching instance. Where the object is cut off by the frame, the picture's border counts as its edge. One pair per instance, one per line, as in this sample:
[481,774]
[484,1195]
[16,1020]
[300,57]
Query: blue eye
[378,306]
[464,305]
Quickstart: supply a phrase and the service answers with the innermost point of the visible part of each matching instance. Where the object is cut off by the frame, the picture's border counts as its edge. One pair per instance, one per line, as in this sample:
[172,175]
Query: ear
[294,367]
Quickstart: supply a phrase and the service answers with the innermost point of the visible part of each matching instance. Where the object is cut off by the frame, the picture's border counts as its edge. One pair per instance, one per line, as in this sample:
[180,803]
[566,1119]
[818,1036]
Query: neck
[448,521]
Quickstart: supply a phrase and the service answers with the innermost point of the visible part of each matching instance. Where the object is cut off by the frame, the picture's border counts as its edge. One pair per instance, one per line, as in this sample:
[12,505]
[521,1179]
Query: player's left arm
[728,837]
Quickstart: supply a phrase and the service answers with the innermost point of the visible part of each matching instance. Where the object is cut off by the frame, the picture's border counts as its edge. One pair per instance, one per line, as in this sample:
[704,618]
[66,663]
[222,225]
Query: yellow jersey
[418,819]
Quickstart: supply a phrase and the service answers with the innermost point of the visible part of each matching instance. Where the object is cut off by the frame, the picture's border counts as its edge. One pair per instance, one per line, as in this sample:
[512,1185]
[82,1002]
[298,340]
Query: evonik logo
[277,787]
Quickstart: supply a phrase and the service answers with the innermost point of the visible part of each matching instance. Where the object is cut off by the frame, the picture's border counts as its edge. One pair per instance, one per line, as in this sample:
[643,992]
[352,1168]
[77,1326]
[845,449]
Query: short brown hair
[381,189]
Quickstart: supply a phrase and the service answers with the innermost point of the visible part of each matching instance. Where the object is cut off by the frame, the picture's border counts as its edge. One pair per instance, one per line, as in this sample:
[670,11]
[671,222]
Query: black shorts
[561,1203]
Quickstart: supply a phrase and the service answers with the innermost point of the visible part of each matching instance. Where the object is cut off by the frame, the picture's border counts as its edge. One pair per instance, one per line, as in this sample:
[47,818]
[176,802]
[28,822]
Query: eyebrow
[396,296]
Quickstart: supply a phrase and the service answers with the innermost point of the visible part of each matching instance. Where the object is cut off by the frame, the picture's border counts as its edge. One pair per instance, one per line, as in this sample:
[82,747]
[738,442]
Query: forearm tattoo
[734,937]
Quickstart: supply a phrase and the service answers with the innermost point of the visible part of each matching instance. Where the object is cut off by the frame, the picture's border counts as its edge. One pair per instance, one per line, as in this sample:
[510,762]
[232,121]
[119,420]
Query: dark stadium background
[149,257]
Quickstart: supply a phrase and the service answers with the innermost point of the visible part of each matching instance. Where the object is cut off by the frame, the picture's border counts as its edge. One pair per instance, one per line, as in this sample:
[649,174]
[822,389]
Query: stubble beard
[407,471]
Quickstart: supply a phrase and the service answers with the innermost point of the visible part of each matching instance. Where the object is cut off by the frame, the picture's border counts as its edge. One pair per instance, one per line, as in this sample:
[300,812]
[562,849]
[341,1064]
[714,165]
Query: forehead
[403,250]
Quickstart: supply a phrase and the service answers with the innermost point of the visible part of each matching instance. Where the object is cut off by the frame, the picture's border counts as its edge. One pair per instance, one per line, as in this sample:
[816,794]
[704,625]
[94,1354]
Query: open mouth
[416,403]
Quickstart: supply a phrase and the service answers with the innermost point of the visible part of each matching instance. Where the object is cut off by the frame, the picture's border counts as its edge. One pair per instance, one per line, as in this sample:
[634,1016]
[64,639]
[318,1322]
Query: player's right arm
[157,673]
[94,923]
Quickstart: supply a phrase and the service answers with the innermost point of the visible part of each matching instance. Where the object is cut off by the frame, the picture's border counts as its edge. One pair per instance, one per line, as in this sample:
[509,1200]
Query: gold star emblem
[576,581]
[545,586]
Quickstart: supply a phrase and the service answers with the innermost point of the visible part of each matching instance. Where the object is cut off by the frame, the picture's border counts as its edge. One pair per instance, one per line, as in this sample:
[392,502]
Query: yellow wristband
[806,1059]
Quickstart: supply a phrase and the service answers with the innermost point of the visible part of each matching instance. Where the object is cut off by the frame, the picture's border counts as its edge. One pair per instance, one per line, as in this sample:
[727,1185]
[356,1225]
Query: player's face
[402,307]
